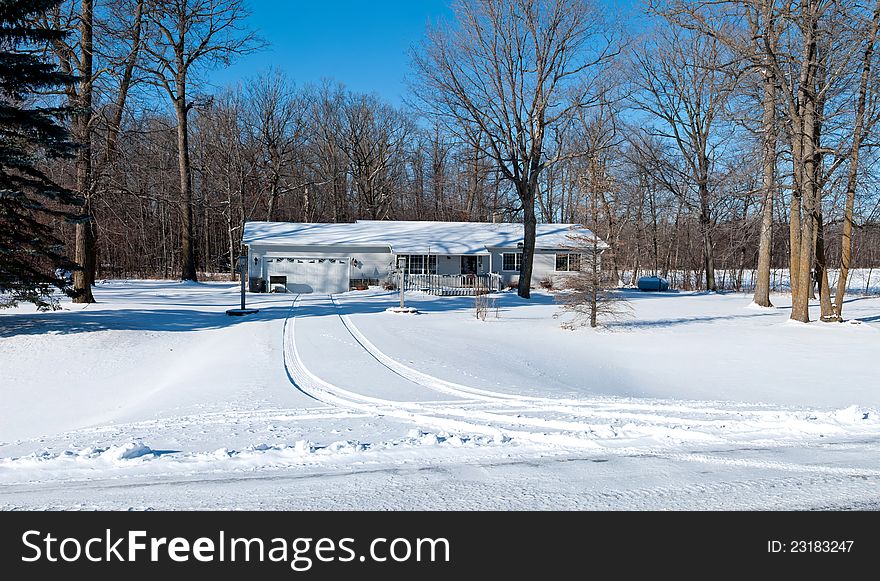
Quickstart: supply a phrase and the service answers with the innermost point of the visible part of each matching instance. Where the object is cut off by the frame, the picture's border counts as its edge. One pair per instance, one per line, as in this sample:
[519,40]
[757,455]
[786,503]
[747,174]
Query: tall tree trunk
[672,244]
[805,157]
[794,232]
[85,252]
[530,225]
[706,235]
[473,180]
[341,205]
[826,312]
[801,298]
[610,234]
[795,225]
[594,259]
[206,248]
[765,242]
[85,247]
[271,213]
[230,229]
[846,235]
[852,176]
[187,256]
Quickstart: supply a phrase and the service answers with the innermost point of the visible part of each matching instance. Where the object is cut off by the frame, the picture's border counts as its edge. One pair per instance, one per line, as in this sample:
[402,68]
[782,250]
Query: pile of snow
[119,455]
[133,456]
[443,438]
[128,451]
[855,414]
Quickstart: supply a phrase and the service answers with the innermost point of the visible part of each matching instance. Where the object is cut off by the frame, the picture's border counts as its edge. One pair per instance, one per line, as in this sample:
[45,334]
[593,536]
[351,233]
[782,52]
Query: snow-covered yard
[153,398]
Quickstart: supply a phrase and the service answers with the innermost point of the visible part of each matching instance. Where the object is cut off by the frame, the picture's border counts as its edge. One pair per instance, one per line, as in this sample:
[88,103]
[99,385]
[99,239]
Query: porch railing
[454,284]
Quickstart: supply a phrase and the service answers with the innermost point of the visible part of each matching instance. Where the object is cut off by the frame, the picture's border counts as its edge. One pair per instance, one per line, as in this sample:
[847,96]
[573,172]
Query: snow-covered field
[153,398]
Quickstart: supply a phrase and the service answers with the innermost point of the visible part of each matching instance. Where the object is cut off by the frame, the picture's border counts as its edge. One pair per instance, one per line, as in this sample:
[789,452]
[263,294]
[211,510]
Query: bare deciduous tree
[685,82]
[86,233]
[74,54]
[750,30]
[185,36]
[375,135]
[862,124]
[589,293]
[806,70]
[278,126]
[514,71]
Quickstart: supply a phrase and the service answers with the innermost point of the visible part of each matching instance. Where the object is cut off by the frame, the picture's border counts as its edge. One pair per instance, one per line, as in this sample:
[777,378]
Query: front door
[469,265]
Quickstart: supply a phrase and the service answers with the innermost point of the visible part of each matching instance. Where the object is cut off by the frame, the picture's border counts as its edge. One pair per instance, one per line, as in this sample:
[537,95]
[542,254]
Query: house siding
[448,264]
[543,267]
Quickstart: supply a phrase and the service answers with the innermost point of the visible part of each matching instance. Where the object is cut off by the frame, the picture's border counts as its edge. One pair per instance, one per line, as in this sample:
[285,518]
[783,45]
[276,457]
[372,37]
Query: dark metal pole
[242,271]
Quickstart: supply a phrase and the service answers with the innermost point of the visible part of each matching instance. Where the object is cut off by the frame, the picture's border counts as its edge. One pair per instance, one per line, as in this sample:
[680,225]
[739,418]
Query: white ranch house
[440,257]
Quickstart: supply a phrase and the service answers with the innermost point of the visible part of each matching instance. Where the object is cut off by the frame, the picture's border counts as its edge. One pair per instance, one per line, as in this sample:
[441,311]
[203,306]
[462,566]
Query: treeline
[731,135]
[268,150]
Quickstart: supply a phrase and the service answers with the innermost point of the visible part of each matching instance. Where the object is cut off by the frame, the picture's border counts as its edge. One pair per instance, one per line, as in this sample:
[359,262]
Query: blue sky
[364,44]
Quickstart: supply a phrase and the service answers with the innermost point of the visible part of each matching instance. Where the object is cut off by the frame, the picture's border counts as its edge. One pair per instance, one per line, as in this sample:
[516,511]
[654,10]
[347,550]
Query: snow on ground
[153,398]
[677,345]
[146,349]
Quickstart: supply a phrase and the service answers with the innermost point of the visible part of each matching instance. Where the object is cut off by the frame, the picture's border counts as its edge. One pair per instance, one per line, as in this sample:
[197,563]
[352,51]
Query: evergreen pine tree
[32,258]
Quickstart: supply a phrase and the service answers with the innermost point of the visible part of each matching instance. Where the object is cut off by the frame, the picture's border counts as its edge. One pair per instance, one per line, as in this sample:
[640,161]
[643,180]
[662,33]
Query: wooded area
[732,135]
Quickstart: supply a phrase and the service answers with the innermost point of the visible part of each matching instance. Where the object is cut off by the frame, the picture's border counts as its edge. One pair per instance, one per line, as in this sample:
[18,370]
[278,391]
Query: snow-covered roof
[415,237]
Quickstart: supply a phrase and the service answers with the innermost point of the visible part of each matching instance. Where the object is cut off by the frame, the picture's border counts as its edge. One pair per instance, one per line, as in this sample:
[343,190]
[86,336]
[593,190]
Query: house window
[511,261]
[471,264]
[568,262]
[421,263]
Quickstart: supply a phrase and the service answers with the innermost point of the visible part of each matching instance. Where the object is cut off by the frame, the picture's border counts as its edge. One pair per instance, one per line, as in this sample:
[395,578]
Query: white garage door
[310,275]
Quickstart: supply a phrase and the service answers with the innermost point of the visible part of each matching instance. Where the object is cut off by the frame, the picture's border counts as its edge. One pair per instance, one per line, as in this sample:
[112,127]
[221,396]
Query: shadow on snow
[180,318]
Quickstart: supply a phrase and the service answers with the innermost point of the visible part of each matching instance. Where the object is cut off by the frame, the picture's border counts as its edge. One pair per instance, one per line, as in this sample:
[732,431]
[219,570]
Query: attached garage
[315,268]
[304,274]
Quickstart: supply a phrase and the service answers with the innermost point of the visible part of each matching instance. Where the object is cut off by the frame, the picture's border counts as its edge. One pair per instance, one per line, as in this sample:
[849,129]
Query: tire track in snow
[705,417]
[529,402]
[423,379]
[447,417]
